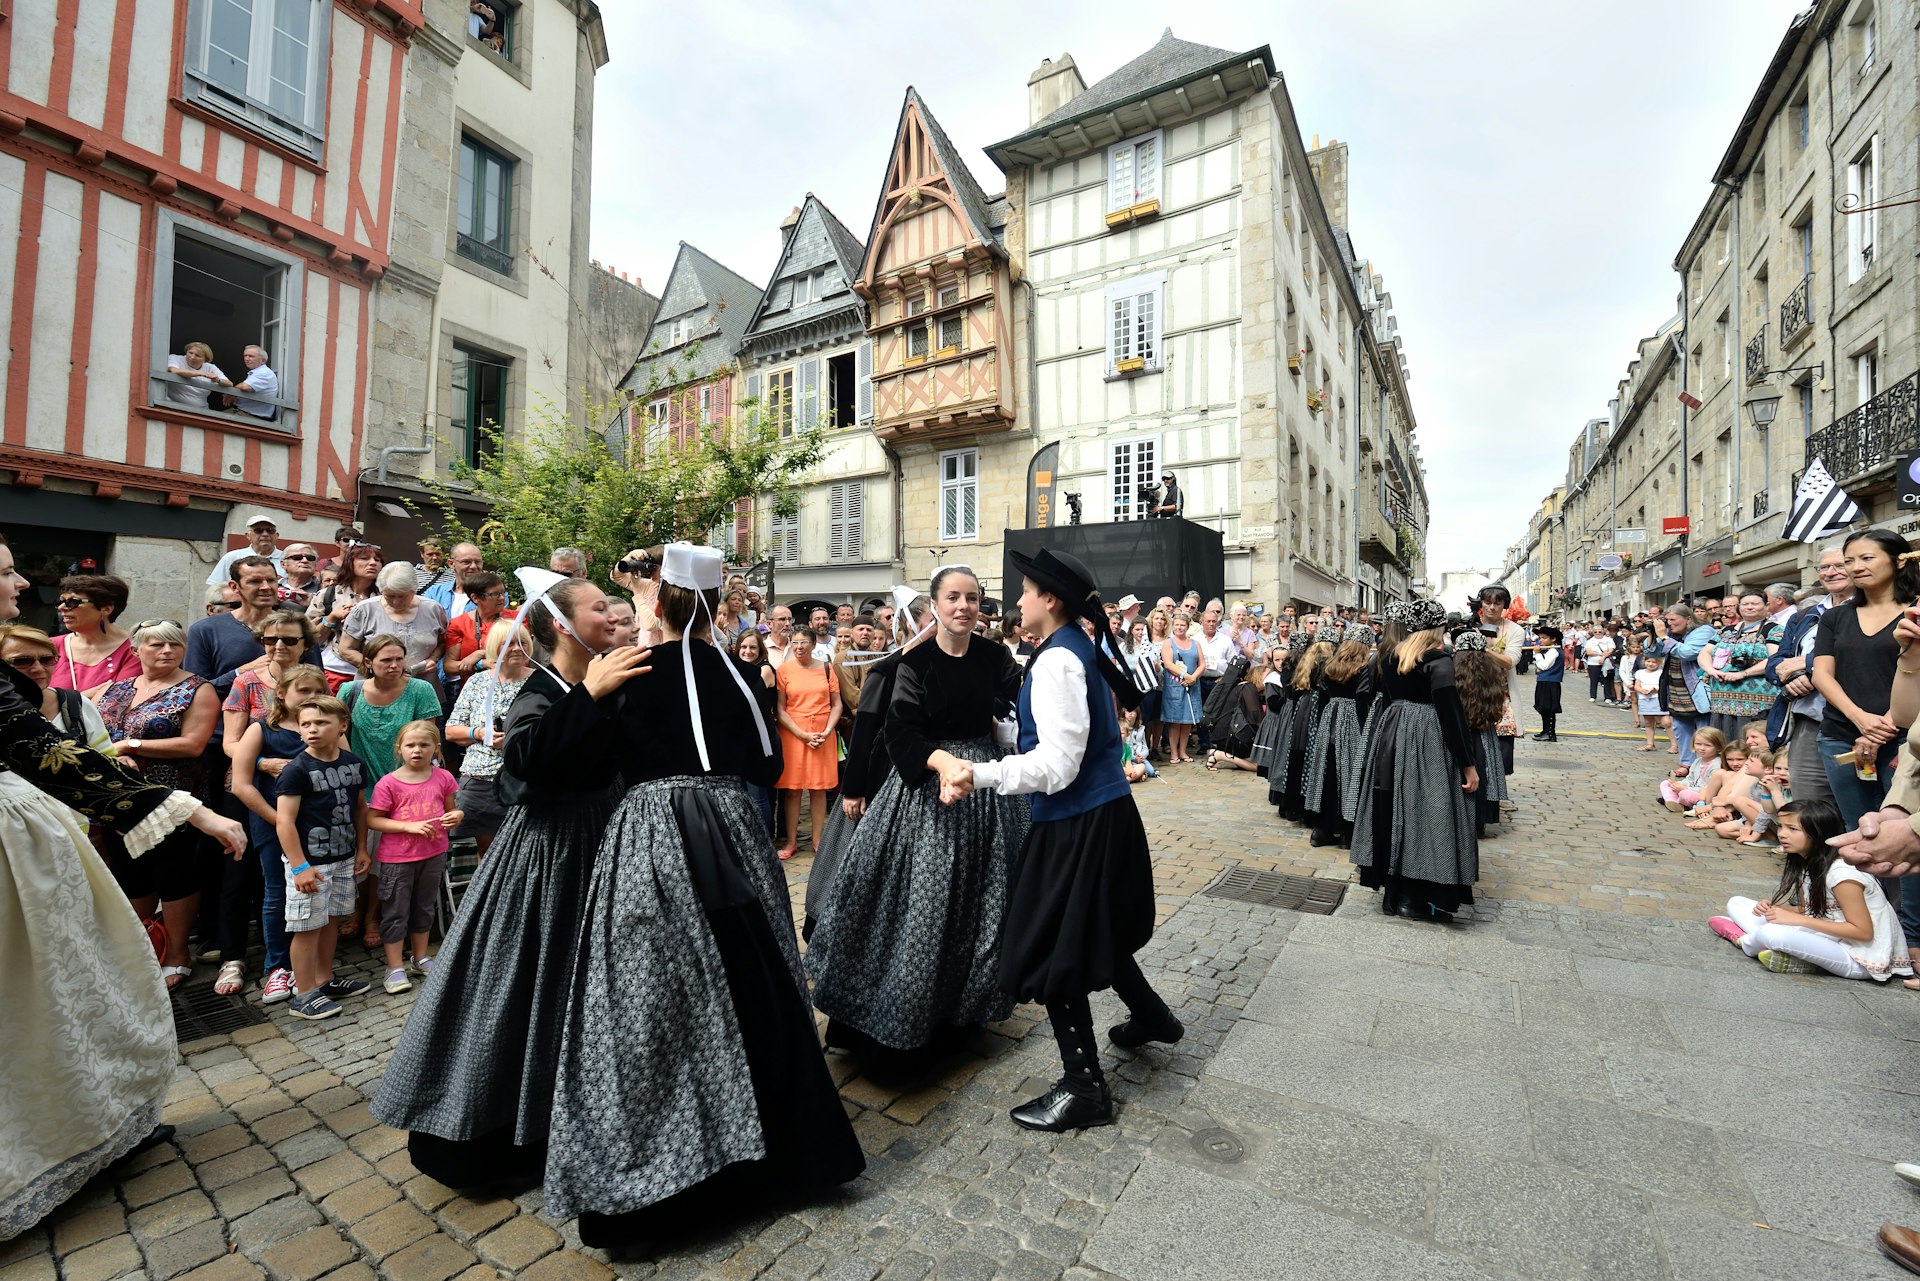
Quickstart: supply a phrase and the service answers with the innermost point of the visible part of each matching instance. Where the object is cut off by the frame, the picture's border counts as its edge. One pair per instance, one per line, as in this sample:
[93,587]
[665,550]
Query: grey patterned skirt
[833,847]
[908,940]
[1414,824]
[688,1046]
[1336,734]
[1493,779]
[1266,740]
[482,1043]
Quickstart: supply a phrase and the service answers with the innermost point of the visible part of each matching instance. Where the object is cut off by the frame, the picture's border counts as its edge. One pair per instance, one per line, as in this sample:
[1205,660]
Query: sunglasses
[282,640]
[300,556]
[73,602]
[32,660]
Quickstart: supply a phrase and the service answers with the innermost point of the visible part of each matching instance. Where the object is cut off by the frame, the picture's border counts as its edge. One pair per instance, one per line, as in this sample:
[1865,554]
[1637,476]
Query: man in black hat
[1082,902]
[1171,500]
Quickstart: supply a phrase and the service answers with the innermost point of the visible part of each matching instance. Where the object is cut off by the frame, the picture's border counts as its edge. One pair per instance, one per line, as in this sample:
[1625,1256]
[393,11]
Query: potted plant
[1294,360]
[1316,400]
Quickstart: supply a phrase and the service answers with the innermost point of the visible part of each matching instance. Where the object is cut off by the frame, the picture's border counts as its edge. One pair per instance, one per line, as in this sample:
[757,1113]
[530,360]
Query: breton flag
[1820,507]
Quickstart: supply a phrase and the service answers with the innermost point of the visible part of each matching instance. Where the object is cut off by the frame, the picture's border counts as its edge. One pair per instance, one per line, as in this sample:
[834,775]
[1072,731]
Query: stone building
[484,316]
[1188,299]
[1797,332]
[232,196]
[807,359]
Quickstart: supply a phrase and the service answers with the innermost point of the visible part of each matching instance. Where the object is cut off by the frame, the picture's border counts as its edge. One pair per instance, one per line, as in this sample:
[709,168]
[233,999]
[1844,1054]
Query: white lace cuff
[157,826]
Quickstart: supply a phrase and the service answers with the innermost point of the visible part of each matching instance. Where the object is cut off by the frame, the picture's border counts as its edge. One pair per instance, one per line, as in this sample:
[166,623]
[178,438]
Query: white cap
[694,567]
[260,518]
[702,569]
[1129,601]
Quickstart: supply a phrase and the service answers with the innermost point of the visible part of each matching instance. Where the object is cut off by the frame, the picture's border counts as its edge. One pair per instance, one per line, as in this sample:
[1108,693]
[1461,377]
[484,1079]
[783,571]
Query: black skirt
[1081,902]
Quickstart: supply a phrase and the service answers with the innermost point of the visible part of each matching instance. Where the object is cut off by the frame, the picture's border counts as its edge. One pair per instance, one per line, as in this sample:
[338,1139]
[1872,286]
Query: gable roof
[1171,61]
[966,190]
[814,231]
[716,299]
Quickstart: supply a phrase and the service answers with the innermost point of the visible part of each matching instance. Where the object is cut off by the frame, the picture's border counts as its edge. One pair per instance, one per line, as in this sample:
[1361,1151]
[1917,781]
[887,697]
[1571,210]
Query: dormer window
[678,331]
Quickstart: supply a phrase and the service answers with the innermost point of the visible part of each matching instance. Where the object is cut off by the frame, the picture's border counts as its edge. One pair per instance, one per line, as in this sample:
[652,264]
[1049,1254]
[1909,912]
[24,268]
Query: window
[264,63]
[1805,391]
[1131,464]
[1866,376]
[657,429]
[917,342]
[1802,112]
[786,538]
[846,521]
[480,403]
[678,331]
[1133,328]
[843,398]
[950,330]
[916,304]
[1863,192]
[1866,34]
[780,401]
[497,32]
[706,404]
[1133,172]
[484,222]
[960,495]
[802,291]
[226,293]
[1723,331]
[949,295]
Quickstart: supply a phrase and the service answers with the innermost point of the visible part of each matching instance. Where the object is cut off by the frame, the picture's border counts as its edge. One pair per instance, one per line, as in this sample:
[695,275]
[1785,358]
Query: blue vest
[1101,778]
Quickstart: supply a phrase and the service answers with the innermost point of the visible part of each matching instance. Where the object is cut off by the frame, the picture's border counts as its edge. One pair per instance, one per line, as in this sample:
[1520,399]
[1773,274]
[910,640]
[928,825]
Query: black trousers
[1073,1026]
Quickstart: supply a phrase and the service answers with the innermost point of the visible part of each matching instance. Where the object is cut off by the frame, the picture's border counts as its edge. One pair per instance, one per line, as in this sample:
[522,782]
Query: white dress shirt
[1216,651]
[1058,699]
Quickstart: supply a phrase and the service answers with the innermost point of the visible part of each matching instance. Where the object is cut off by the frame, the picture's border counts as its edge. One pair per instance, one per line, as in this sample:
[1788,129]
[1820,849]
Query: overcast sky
[1523,173]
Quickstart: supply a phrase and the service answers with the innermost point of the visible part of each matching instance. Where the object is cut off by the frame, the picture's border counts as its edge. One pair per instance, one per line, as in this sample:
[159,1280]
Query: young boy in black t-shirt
[322,810]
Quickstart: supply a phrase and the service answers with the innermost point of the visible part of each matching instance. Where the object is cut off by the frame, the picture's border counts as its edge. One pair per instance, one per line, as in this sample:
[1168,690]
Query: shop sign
[1676,524]
[1710,569]
[1629,535]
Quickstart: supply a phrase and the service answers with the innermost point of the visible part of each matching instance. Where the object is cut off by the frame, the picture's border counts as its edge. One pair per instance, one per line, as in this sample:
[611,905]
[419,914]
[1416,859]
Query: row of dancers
[621,1011]
[1388,744]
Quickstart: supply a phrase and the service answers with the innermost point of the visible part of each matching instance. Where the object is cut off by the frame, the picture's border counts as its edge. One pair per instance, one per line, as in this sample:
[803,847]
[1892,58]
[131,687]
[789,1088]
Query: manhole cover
[1554,762]
[1272,889]
[1219,1145]
[201,1011]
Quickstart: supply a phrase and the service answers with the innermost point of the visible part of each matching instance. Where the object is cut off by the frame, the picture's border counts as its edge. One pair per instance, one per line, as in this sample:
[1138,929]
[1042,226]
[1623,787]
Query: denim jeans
[1685,726]
[273,896]
[1855,797]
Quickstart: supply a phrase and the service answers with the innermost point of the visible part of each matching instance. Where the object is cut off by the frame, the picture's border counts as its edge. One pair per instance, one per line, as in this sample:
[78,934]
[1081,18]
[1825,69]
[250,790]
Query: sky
[1522,173]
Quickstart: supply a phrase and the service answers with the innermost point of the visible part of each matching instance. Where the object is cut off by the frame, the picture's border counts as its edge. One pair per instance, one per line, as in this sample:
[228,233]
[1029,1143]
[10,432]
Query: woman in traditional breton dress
[907,943]
[1290,775]
[1483,699]
[86,1023]
[868,766]
[1336,742]
[473,1075]
[690,1078]
[1273,692]
[1413,838]
[1287,707]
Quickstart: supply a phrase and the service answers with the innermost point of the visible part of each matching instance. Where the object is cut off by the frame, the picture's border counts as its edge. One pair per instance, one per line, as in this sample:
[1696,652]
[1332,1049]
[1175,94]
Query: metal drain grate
[1272,889]
[200,1011]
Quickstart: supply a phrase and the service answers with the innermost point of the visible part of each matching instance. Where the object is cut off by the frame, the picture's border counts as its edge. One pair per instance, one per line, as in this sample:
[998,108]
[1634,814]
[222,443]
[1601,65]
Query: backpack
[1237,730]
[1215,708]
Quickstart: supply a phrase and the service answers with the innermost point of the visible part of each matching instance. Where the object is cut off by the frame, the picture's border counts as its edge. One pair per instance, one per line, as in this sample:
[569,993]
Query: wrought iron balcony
[1796,313]
[1761,502]
[1877,434]
[1757,356]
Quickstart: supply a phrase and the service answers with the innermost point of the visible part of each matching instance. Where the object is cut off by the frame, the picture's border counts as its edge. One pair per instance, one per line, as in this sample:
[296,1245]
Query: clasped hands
[956,781]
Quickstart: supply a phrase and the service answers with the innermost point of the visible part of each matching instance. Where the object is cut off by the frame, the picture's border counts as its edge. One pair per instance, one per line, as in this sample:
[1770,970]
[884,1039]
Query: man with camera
[1167,501]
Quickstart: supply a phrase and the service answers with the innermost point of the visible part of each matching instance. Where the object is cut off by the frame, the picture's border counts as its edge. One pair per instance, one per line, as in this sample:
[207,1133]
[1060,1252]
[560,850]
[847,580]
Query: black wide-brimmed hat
[1064,575]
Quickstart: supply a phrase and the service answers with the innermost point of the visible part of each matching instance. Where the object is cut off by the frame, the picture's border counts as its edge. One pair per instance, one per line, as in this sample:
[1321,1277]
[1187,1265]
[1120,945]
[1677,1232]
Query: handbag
[1507,726]
[156,936]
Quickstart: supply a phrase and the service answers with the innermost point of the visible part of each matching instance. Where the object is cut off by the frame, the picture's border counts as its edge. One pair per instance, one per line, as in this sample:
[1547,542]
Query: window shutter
[809,395]
[836,523]
[1120,340]
[742,526]
[854,511]
[863,381]
[1146,168]
[1120,177]
[753,386]
[1147,328]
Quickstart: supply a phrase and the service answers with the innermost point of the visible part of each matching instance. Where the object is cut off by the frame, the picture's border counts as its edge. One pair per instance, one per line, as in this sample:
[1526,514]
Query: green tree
[559,484]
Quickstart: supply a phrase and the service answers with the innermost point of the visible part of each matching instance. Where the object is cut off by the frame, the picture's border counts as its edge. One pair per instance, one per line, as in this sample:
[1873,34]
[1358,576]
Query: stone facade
[1797,297]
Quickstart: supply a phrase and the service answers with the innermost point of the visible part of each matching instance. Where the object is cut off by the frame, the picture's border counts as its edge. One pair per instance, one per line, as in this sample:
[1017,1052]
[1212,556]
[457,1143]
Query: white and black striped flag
[1820,507]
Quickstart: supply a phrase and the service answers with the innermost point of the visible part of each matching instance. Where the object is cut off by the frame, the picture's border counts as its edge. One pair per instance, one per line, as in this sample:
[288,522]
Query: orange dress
[809,695]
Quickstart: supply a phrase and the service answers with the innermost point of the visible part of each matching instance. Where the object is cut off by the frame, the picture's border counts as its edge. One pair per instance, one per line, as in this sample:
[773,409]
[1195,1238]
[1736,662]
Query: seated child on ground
[1713,805]
[1683,789]
[1755,737]
[1133,749]
[1846,925]
[1756,798]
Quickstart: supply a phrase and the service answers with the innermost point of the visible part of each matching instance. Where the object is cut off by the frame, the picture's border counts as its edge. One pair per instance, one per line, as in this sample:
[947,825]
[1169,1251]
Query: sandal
[175,975]
[233,977]
[1213,759]
[784,854]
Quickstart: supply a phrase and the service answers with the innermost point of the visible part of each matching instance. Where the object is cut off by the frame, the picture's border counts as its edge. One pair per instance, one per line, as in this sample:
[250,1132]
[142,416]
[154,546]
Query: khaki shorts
[334,897]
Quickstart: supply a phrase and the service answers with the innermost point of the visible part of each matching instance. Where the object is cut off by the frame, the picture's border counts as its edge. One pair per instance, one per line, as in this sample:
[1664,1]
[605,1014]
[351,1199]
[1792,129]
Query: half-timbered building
[177,172]
[808,360]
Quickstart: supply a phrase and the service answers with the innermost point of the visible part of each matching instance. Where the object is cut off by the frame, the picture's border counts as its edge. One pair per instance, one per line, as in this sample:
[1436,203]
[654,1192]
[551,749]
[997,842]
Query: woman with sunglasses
[88,1031]
[300,575]
[91,651]
[359,570]
[30,652]
[160,722]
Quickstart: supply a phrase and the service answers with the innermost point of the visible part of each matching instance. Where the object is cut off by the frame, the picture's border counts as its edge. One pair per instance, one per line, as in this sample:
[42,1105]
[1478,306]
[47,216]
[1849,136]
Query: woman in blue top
[1179,688]
[1082,900]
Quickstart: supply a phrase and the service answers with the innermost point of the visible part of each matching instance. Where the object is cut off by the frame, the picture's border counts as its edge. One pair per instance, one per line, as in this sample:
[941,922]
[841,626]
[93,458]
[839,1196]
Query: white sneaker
[397,981]
[1909,1172]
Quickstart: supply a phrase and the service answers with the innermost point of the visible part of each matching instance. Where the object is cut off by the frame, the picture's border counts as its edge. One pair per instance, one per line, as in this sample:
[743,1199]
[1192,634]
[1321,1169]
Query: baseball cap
[261,518]
[1129,601]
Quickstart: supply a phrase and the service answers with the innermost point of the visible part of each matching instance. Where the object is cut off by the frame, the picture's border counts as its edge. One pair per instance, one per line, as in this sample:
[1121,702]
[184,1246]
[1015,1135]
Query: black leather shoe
[1133,1034]
[1060,1109]
[1541,737]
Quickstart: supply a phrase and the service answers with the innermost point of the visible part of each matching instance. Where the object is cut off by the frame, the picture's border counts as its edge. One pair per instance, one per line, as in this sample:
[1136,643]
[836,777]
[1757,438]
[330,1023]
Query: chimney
[1054,84]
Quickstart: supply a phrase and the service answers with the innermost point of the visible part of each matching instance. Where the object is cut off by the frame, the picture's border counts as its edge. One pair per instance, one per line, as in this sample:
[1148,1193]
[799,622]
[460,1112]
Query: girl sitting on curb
[1683,789]
[1716,794]
[1847,926]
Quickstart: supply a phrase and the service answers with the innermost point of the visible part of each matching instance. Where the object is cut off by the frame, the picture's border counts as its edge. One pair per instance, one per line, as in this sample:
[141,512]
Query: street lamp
[1762,405]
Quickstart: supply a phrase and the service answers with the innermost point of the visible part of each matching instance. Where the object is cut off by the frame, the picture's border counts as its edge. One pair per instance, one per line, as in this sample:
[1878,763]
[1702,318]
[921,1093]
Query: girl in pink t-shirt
[412,809]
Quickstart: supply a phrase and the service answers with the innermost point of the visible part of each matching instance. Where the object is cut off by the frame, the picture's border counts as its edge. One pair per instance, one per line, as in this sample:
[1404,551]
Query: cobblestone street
[1566,1086]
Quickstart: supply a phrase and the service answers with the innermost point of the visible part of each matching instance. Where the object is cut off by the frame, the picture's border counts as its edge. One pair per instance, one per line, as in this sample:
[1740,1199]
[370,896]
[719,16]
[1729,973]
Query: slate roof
[720,300]
[1171,61]
[973,201]
[815,239]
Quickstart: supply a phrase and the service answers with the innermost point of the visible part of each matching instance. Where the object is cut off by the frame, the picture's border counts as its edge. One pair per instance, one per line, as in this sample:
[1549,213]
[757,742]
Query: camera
[645,566]
[1148,493]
